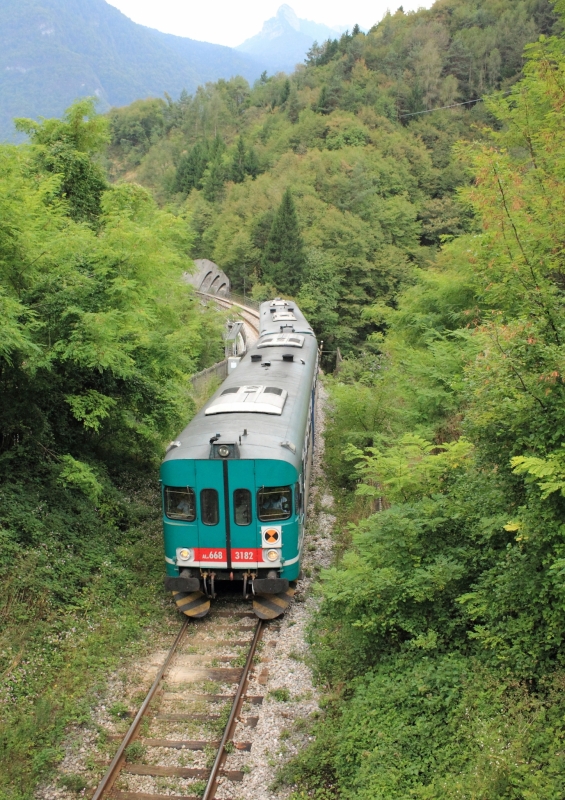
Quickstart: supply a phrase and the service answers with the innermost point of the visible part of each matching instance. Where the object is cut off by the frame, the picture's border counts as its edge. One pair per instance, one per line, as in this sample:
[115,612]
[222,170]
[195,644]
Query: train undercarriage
[193,593]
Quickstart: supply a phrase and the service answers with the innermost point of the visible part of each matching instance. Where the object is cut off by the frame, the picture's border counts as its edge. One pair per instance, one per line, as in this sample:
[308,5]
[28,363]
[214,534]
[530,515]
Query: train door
[245,539]
[213,525]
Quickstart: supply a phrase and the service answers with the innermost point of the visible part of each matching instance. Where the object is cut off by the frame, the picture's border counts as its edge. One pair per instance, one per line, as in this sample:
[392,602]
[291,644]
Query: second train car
[235,483]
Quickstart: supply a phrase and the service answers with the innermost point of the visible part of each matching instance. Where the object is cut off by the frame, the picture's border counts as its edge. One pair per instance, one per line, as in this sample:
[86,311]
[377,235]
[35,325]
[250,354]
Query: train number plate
[210,554]
[246,555]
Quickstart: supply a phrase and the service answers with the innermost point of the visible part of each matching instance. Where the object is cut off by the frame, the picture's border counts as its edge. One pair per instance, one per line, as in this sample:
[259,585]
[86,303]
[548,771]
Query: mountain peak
[287,14]
[285,39]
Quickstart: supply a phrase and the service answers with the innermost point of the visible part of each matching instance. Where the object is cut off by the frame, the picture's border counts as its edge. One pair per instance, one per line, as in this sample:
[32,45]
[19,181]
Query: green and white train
[235,484]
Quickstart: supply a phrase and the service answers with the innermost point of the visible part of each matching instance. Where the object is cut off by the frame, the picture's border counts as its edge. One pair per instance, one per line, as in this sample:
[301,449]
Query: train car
[235,483]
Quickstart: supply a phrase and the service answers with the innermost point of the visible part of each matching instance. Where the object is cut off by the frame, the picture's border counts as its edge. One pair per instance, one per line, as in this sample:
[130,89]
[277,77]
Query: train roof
[282,316]
[267,395]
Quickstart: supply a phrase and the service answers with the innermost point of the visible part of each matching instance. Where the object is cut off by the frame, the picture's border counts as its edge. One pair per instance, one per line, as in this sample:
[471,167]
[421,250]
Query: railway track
[188,736]
[249,315]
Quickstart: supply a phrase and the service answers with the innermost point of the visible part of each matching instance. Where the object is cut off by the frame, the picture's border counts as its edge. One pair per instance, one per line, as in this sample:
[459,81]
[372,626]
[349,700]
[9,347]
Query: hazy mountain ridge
[285,39]
[54,51]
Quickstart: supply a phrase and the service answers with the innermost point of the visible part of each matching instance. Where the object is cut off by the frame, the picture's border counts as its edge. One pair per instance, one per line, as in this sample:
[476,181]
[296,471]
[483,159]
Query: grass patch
[280,695]
[73,783]
[135,752]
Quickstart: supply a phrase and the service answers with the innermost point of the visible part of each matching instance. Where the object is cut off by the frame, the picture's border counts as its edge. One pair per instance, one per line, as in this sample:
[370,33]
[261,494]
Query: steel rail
[117,762]
[228,731]
[227,303]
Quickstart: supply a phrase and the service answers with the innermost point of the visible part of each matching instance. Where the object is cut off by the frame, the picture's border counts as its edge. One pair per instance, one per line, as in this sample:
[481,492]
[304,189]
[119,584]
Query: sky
[230,22]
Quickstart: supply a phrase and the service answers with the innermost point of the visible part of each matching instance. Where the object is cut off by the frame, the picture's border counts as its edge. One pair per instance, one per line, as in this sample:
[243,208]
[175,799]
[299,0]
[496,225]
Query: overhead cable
[455,105]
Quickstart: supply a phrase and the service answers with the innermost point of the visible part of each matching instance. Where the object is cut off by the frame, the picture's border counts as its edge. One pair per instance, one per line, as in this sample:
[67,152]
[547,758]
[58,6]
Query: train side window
[299,498]
[209,511]
[242,506]
[274,502]
[180,503]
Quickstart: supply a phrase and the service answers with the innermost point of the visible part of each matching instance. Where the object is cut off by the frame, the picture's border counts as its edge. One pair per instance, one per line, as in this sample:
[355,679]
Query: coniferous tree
[215,174]
[251,163]
[293,107]
[323,104]
[191,169]
[238,170]
[213,180]
[285,92]
[283,259]
[217,148]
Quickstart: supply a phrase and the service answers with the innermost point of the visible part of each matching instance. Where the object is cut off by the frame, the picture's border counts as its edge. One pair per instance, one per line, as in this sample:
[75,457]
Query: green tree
[322,106]
[216,172]
[66,147]
[252,166]
[283,257]
[191,168]
[238,168]
[285,92]
[293,106]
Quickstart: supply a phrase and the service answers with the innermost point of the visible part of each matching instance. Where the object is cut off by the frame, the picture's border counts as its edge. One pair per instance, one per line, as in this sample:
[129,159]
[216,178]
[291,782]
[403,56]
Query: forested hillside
[374,190]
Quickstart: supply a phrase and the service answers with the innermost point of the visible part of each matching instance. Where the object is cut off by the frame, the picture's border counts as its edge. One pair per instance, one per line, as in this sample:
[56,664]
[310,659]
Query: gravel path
[283,677]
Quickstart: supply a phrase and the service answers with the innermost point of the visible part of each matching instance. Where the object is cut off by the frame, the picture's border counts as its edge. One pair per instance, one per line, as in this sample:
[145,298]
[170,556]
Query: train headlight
[184,554]
[223,451]
[272,555]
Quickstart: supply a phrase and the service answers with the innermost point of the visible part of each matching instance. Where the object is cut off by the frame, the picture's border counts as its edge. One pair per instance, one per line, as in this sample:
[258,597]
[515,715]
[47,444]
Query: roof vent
[289,446]
[250,399]
[288,357]
[256,357]
[281,340]
[281,316]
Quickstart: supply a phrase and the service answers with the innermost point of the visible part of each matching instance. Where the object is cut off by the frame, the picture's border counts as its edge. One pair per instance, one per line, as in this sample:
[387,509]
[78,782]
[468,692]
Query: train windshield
[180,503]
[274,502]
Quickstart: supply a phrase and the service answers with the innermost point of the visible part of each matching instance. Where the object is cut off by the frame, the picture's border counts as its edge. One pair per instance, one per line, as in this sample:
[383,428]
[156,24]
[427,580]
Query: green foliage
[238,165]
[409,469]
[283,259]
[74,783]
[374,190]
[436,727]
[99,336]
[134,128]
[440,635]
[65,147]
[100,330]
[281,695]
[119,710]
[191,167]
[135,752]
[75,474]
